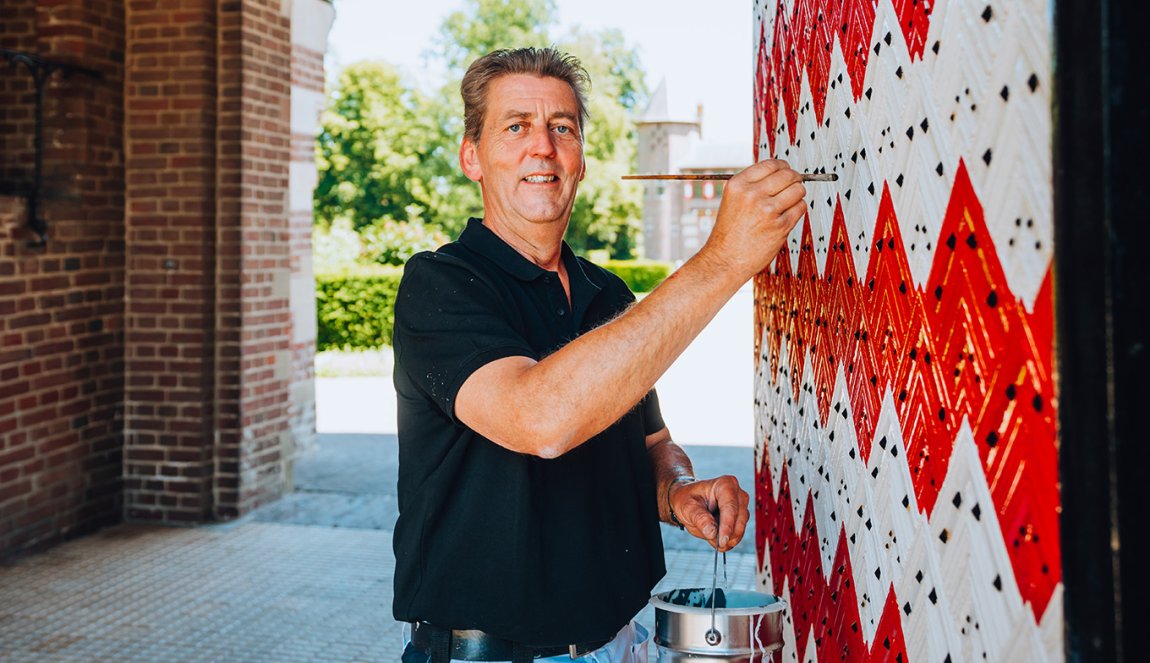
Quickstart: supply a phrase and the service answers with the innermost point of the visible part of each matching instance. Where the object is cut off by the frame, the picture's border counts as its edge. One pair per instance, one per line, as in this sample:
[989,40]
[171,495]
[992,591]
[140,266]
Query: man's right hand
[549,407]
[760,207]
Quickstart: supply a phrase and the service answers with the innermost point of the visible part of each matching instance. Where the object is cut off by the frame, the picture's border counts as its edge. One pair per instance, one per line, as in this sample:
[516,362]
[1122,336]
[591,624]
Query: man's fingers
[781,180]
[732,512]
[740,527]
[789,196]
[761,170]
[728,516]
[714,510]
[699,518]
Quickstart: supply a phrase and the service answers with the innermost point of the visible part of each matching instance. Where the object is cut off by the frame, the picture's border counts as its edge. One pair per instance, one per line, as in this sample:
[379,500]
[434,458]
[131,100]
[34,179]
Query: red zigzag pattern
[803,42]
[961,346]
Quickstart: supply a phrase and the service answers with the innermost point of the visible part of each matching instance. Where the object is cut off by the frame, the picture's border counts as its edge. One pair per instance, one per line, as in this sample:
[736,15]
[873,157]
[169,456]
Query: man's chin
[546,216]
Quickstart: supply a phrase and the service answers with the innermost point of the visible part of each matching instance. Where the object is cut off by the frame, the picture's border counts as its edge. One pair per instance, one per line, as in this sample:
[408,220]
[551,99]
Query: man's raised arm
[549,407]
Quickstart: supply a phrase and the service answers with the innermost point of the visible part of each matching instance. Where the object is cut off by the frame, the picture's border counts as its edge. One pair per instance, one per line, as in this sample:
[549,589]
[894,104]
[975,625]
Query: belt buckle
[573,651]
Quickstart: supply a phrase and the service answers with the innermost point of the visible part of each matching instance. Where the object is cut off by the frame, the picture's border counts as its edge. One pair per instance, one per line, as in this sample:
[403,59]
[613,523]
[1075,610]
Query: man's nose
[542,142]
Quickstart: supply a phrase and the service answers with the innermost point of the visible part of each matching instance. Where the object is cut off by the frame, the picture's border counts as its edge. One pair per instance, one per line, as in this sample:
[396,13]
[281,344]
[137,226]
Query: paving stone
[308,578]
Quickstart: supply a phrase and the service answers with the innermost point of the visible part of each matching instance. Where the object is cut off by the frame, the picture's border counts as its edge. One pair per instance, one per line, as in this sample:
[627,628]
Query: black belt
[472,645]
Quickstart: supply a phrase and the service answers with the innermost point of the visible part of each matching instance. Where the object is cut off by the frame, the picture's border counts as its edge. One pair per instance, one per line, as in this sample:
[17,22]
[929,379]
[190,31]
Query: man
[534,463]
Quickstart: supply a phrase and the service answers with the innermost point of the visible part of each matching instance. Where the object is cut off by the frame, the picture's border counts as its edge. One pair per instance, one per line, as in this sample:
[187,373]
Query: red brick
[207,92]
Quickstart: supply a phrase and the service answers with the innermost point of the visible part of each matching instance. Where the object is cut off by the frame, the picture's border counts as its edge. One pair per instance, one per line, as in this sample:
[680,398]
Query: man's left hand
[695,505]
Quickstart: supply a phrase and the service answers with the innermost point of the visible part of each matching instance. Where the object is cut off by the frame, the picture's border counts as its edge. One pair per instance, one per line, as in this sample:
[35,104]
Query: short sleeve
[652,415]
[449,322]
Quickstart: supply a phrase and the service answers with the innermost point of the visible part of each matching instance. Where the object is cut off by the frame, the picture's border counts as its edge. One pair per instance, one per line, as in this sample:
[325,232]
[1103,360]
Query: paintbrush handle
[807,177]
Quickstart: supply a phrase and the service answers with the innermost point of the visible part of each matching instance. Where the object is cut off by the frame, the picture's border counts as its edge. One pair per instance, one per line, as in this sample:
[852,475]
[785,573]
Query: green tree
[388,153]
[486,25]
[608,211]
[378,152]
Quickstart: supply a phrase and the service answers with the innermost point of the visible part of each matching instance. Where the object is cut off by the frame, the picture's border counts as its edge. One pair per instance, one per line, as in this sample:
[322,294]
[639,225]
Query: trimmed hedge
[640,275]
[355,309]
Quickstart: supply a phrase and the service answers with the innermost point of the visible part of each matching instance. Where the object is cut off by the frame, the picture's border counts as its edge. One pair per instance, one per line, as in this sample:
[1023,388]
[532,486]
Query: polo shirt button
[561,311]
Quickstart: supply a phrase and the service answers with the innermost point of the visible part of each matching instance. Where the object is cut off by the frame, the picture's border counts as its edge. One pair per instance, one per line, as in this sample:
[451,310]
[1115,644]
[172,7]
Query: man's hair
[542,62]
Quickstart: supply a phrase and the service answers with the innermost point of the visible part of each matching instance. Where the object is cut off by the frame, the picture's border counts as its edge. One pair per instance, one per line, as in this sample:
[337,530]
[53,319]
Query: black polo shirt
[540,551]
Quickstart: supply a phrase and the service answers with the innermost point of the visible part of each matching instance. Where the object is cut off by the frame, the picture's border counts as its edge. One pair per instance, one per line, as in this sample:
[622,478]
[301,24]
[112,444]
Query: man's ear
[469,160]
[583,169]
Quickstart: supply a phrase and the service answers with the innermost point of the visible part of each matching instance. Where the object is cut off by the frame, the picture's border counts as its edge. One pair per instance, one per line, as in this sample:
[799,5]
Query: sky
[702,49]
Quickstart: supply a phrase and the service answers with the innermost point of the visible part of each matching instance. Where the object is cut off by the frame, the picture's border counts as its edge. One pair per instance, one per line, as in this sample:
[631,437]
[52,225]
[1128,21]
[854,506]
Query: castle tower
[663,141]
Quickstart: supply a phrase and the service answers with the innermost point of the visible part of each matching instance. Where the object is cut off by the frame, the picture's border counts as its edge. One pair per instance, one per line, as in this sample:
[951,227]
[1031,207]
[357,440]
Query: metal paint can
[747,626]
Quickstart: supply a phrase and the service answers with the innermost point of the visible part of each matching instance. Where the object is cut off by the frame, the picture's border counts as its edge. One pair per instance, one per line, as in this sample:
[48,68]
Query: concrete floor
[308,578]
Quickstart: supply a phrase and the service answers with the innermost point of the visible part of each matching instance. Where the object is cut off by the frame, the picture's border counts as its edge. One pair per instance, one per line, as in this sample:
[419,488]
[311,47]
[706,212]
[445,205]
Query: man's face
[529,158]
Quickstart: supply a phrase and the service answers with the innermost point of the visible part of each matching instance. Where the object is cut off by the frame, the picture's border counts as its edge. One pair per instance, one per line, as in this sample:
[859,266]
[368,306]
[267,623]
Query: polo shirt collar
[482,240]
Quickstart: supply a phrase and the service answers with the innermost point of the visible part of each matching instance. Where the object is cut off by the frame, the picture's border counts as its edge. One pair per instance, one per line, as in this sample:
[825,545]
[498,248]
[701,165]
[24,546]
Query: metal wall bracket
[41,69]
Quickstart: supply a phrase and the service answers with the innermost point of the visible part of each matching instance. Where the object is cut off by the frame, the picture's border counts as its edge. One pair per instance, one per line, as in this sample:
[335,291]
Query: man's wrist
[672,518]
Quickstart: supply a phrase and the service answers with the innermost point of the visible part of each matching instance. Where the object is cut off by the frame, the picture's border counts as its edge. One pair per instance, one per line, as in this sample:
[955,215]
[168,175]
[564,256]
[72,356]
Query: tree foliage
[388,153]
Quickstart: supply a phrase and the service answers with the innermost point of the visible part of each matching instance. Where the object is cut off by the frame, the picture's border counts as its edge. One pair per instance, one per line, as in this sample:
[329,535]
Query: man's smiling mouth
[540,179]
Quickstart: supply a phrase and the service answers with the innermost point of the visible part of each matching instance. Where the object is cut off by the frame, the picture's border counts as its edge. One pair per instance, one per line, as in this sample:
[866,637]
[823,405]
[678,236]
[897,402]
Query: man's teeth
[539,179]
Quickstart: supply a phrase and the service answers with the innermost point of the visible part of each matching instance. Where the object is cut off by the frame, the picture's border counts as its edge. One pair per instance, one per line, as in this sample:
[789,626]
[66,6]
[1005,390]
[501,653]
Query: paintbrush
[807,177]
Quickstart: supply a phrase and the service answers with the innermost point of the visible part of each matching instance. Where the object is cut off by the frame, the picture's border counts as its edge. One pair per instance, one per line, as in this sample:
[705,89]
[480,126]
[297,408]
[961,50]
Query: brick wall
[170,101]
[148,361]
[257,456]
[208,325]
[61,305]
[18,33]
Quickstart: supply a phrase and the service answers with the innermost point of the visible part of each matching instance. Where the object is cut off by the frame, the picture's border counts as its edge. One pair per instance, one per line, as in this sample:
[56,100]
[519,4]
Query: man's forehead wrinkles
[517,114]
[524,114]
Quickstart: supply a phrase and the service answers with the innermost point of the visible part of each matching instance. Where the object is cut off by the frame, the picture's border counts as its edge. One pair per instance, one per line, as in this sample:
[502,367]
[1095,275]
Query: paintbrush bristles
[807,177]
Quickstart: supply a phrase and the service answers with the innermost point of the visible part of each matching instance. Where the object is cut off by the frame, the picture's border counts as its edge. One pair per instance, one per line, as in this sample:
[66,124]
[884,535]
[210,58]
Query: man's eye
[563,129]
[515,128]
